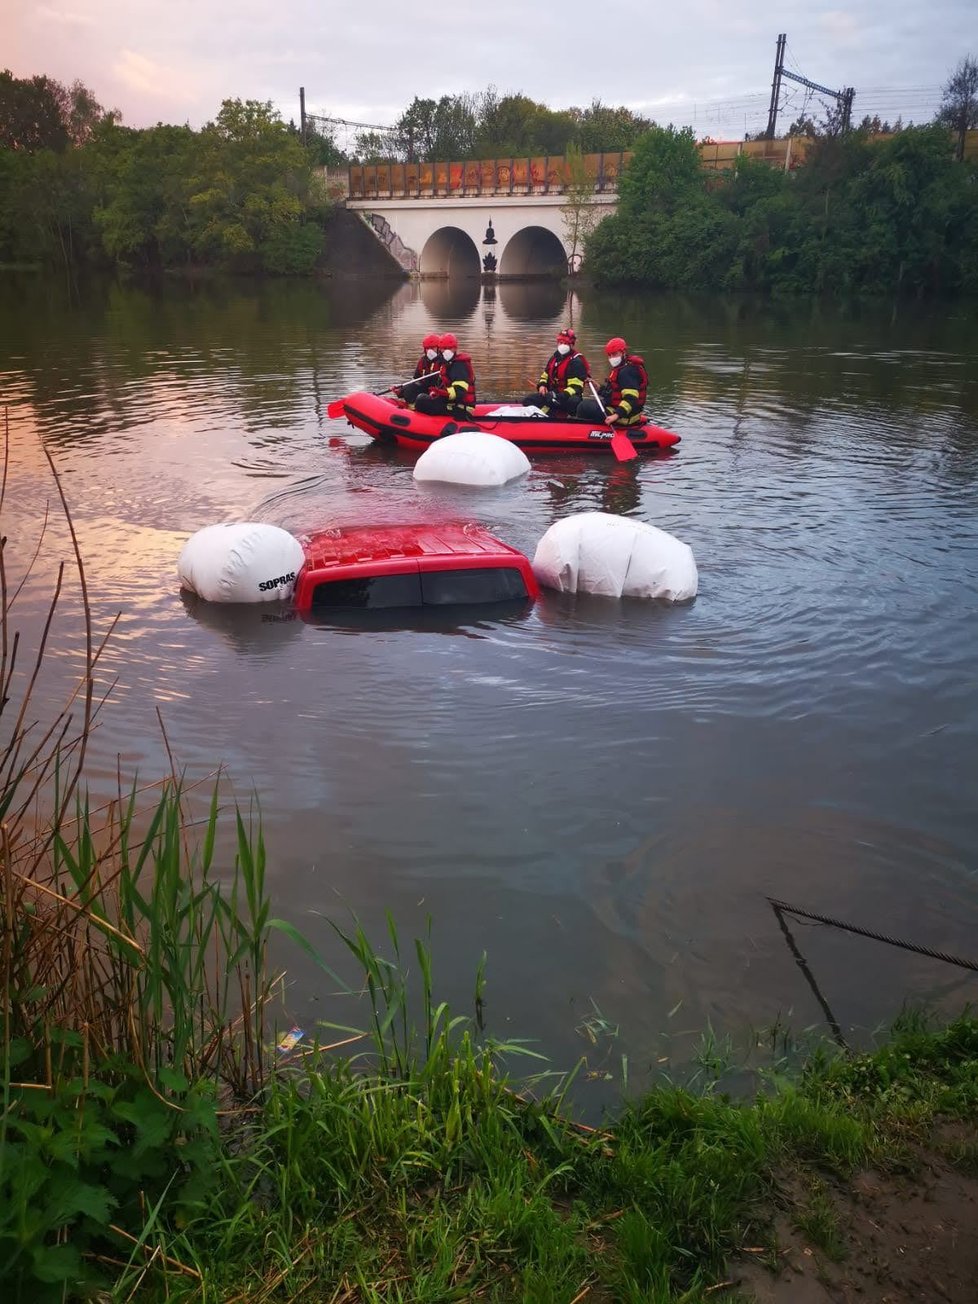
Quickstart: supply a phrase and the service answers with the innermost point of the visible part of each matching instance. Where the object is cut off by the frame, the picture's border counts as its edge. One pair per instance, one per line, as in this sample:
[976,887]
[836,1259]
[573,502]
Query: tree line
[243,193]
[77,187]
[490,125]
[865,214]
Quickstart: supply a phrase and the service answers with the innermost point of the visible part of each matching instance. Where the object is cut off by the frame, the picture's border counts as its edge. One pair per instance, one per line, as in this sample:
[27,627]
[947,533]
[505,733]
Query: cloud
[178,61]
[147,77]
[841,27]
[63,17]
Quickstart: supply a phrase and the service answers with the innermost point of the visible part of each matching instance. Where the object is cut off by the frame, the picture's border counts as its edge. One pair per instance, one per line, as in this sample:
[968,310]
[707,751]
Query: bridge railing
[548,174]
[542,175]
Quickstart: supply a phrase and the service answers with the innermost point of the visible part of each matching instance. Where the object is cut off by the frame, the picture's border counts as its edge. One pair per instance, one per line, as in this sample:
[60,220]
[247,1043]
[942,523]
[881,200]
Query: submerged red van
[370,567]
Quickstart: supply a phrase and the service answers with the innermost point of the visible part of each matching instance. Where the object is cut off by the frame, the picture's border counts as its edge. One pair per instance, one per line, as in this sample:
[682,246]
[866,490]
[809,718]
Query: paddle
[335,409]
[621,445]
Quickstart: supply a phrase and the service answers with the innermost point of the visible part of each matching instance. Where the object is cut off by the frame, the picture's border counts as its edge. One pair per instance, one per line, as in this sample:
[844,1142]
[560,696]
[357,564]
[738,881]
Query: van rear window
[485,584]
[371,592]
[429,588]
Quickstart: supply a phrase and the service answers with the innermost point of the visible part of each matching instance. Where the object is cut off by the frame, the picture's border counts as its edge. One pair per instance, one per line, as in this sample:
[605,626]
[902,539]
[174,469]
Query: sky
[703,63]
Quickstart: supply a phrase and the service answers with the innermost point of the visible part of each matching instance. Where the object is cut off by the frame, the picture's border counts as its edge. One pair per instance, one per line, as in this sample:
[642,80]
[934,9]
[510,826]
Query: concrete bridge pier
[445,237]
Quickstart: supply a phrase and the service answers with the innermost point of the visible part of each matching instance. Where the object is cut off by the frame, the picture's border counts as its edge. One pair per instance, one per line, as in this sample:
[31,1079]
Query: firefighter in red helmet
[453,393]
[561,384]
[623,393]
[429,367]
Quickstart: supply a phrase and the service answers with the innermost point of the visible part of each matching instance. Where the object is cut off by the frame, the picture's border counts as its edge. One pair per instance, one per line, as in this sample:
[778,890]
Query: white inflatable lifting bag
[244,562]
[595,552]
[471,457]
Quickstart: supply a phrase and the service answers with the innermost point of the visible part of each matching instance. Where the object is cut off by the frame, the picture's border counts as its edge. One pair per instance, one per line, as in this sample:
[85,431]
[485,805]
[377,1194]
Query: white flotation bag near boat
[244,562]
[595,552]
[472,457]
[516,410]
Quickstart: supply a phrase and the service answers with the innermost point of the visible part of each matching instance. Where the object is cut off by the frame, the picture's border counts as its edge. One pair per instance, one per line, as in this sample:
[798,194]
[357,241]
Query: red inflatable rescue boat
[390,421]
[376,566]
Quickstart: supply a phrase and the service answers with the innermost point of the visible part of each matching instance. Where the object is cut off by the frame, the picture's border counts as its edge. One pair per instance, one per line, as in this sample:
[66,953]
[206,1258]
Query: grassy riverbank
[154,1144]
[408,1167]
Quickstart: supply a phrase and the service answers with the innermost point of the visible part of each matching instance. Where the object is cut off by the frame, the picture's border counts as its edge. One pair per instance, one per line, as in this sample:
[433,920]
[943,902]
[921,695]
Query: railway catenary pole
[772,113]
[842,98]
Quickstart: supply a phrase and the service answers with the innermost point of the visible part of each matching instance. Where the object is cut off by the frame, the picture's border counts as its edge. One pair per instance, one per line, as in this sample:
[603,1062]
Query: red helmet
[617,345]
[430,342]
[567,336]
[448,341]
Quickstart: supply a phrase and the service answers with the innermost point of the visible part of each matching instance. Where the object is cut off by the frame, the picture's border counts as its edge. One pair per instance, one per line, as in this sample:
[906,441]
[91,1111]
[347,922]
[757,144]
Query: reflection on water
[452,303]
[259,630]
[600,795]
[461,621]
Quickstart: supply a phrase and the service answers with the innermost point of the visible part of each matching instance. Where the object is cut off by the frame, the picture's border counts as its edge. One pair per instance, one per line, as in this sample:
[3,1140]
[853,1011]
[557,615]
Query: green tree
[515,124]
[455,122]
[374,147]
[875,126]
[417,130]
[142,213]
[665,168]
[579,213]
[32,113]
[959,104]
[601,128]
[323,149]
[40,113]
[250,181]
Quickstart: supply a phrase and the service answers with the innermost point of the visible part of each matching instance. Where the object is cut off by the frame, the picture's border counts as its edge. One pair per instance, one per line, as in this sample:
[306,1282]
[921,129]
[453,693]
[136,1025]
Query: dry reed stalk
[155,1251]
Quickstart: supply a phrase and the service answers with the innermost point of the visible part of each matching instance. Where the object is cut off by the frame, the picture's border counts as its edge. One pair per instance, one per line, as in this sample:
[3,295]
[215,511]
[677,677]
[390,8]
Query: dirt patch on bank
[882,1238]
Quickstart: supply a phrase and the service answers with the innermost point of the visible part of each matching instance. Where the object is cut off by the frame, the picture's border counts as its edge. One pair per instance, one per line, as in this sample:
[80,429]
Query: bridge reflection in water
[509,328]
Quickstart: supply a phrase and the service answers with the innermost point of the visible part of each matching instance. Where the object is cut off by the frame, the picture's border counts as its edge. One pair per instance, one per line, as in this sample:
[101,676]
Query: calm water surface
[599,795]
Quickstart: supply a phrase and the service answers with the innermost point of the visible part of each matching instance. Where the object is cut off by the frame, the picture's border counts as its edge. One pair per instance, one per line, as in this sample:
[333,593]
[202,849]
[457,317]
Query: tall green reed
[134,985]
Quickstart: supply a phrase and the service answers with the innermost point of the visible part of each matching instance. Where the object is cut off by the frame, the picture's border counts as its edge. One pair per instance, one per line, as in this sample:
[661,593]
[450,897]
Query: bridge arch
[533,251]
[449,252]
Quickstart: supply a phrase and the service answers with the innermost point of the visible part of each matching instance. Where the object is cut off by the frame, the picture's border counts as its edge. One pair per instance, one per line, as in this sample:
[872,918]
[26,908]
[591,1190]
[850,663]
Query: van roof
[430,545]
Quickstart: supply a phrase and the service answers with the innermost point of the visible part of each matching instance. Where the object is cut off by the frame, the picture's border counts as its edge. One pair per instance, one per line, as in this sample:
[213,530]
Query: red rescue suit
[566,373]
[626,387]
[457,384]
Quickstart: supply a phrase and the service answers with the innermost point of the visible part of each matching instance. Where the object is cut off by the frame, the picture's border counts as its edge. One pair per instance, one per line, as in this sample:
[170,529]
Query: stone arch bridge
[507,217]
[435,218]
[448,237]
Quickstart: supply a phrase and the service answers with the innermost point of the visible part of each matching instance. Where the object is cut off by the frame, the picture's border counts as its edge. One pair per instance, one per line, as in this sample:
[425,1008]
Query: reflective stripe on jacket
[629,384]
[565,373]
[458,381]
[426,365]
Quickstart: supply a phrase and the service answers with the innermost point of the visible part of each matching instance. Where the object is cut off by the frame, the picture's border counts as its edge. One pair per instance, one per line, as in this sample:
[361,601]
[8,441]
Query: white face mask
[431,354]
[563,349]
[448,354]
[614,360]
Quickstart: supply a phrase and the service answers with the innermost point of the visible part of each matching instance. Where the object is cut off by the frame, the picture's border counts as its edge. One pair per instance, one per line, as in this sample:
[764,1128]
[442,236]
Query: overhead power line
[791,91]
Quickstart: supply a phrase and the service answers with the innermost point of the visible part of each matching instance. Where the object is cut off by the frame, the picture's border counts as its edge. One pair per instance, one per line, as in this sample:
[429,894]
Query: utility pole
[842,98]
[847,97]
[302,113]
[772,113]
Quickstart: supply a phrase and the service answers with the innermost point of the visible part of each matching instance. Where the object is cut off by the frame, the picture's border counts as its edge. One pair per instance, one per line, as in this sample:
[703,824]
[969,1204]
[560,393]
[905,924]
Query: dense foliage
[492,126]
[240,194]
[866,213]
[959,104]
[863,215]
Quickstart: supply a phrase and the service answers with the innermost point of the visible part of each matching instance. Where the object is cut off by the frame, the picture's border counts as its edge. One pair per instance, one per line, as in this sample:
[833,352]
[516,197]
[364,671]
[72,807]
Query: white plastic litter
[595,552]
[471,457]
[516,410]
[244,562]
